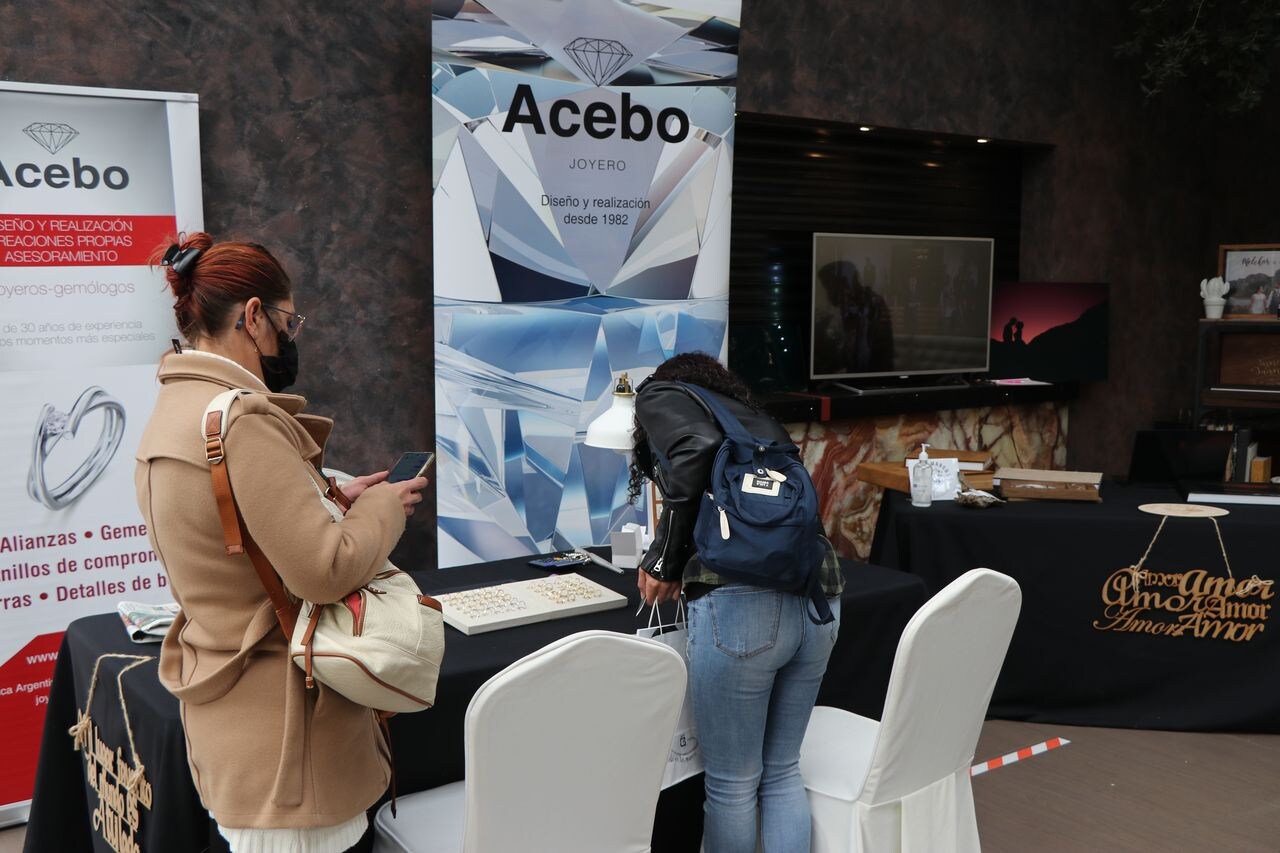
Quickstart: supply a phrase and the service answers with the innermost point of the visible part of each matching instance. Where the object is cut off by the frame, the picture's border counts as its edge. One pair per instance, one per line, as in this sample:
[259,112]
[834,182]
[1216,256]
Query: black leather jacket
[683,431]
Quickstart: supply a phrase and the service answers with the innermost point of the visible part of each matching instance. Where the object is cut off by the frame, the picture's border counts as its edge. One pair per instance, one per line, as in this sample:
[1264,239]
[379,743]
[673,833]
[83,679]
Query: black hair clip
[181,260]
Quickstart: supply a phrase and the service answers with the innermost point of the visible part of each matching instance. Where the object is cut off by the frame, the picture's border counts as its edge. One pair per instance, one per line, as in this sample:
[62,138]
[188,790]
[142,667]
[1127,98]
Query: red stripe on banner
[1025,753]
[995,762]
[1053,742]
[24,697]
[72,240]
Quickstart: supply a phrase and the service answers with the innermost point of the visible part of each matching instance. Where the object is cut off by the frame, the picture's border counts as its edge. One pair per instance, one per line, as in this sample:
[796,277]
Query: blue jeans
[755,663]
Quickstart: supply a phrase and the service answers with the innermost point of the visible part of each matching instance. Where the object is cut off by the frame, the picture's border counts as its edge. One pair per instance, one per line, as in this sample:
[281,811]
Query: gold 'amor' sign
[1192,603]
[122,788]
[1185,604]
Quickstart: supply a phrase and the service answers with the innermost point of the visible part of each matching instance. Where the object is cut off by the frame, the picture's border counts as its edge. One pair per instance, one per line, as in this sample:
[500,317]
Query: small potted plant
[1213,291]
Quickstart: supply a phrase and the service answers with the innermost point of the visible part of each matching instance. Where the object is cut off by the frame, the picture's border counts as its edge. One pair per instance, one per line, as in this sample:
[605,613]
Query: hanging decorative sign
[121,785]
[1192,603]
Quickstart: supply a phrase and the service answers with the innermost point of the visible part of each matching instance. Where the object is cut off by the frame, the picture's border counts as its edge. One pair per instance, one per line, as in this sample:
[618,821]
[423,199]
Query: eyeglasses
[293,323]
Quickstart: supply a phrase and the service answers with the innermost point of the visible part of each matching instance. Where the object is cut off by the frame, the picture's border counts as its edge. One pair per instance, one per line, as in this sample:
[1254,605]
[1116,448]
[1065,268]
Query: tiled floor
[1128,791]
[1116,790]
[11,839]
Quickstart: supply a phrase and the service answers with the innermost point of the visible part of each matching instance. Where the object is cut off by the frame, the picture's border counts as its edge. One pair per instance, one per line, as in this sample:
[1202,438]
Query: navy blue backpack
[758,524]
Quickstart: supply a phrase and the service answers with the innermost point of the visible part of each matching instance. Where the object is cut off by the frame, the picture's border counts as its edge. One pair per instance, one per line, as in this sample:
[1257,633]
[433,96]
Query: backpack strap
[732,427]
[819,598]
[729,425]
[213,426]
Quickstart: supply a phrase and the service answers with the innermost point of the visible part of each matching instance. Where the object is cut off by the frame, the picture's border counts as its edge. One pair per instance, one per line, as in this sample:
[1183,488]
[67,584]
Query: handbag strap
[336,494]
[235,534]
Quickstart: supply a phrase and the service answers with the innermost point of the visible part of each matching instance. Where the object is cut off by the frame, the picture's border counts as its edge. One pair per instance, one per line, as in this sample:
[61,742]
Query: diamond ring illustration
[53,425]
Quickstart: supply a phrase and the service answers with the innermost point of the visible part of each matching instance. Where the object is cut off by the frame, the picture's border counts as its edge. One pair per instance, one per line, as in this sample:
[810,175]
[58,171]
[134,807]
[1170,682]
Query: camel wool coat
[265,752]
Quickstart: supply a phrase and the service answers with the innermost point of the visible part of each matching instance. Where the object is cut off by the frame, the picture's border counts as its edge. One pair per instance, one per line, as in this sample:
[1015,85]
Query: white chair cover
[565,751]
[902,784]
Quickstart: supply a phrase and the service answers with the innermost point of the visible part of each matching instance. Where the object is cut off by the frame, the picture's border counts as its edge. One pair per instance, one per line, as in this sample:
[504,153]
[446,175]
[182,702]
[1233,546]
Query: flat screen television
[886,305]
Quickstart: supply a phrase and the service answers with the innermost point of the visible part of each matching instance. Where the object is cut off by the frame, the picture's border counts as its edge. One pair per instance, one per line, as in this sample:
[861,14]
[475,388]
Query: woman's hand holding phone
[408,478]
[405,478]
[410,492]
[356,487]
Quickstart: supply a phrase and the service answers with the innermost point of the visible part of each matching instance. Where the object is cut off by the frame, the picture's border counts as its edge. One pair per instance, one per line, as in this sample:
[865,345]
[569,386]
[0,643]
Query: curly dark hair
[696,368]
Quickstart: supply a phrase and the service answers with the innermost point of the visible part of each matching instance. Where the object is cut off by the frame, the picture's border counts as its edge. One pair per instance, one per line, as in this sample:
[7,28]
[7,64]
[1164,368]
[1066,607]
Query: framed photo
[1252,270]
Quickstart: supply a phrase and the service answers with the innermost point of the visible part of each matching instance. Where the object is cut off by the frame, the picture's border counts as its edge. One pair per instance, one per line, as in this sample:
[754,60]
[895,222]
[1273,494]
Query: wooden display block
[971,461]
[506,605]
[1035,484]
[894,475]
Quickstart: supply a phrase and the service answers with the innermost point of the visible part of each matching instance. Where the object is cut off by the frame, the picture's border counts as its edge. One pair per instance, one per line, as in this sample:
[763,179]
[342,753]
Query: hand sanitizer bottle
[922,479]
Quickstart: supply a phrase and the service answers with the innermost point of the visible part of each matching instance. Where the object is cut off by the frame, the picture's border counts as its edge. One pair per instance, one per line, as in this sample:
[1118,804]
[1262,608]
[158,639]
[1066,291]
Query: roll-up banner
[582,158]
[91,182]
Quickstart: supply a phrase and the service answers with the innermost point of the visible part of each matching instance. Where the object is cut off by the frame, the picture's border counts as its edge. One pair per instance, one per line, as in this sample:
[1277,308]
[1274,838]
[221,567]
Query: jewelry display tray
[506,605]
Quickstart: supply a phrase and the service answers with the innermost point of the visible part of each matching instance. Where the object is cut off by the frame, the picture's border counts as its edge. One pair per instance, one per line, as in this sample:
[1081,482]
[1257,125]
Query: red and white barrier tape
[1014,757]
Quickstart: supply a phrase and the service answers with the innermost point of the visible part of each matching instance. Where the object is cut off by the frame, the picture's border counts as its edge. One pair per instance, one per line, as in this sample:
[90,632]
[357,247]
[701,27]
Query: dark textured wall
[315,138]
[1121,197]
[1245,177]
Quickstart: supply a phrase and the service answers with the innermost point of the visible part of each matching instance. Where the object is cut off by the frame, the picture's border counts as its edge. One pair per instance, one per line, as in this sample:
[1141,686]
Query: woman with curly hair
[755,657]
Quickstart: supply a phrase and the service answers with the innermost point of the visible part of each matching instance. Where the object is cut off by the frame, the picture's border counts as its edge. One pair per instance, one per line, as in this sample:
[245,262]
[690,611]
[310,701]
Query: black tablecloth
[428,745]
[61,811]
[1064,668]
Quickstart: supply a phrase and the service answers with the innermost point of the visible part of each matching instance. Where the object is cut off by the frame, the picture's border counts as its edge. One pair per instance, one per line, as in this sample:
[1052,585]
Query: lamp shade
[612,430]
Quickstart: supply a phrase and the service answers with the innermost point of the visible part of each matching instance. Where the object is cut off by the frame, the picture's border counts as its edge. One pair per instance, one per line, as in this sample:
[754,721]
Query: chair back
[943,674]
[565,748]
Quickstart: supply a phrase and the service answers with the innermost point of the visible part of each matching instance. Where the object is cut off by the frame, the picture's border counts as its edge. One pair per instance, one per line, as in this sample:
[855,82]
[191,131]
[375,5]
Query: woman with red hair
[279,766]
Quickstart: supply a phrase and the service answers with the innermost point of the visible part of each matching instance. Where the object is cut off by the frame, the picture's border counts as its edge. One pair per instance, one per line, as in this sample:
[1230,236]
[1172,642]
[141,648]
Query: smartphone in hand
[411,465]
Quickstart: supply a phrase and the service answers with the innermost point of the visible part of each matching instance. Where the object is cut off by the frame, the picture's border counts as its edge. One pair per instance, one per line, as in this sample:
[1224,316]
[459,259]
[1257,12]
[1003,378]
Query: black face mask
[280,371]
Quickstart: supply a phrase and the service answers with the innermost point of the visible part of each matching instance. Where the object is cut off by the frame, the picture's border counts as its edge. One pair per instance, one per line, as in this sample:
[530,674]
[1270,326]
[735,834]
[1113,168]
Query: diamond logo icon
[52,136]
[599,59]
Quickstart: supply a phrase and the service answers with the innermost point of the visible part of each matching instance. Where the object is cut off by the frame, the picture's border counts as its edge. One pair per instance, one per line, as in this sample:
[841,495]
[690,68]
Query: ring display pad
[1185,510]
[491,608]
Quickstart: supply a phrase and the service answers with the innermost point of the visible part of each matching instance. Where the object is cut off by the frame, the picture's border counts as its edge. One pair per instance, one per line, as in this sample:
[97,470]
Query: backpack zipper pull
[724,523]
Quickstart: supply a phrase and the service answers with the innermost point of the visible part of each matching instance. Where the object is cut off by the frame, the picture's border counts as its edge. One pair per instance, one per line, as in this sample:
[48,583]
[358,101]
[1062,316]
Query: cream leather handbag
[380,646]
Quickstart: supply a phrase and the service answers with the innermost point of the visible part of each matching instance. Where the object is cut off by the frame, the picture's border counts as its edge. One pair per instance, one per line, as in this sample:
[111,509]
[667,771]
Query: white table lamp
[612,430]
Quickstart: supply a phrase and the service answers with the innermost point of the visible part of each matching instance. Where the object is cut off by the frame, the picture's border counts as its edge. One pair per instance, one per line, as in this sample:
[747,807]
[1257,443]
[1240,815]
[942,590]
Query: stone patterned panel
[1016,436]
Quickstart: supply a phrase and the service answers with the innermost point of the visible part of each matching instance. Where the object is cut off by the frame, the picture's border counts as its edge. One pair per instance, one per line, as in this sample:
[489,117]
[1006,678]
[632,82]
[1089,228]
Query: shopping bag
[685,758]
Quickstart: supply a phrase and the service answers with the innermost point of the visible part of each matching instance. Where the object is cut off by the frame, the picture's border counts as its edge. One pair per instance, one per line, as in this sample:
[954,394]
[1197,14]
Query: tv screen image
[887,305]
[1049,330]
